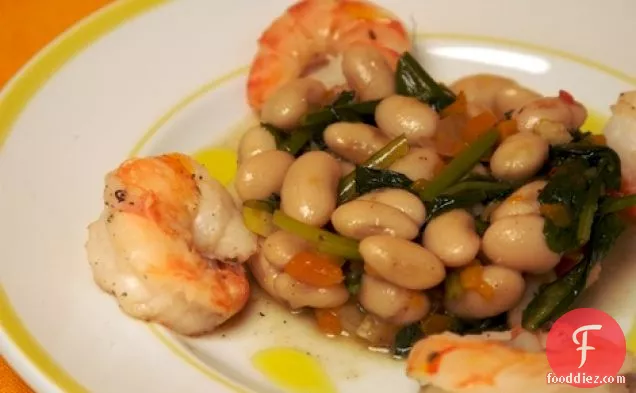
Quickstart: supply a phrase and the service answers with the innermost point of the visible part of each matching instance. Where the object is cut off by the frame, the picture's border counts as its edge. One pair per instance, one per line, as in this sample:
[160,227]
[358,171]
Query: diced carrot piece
[478,125]
[458,107]
[447,145]
[328,321]
[558,213]
[598,140]
[448,140]
[471,278]
[568,261]
[507,128]
[314,269]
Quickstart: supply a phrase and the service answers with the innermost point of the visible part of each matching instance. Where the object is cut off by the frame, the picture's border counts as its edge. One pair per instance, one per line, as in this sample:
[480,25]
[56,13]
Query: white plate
[148,76]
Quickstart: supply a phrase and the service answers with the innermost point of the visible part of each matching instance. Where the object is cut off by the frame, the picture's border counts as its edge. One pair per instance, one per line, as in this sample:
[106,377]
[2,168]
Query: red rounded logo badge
[585,348]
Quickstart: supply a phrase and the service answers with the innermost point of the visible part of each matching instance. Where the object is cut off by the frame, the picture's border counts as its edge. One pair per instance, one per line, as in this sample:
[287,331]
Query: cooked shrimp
[169,244]
[312,31]
[468,364]
[620,134]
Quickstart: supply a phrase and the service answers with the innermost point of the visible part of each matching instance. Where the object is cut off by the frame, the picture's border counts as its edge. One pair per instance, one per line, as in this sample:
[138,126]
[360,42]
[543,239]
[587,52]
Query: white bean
[299,295]
[355,142]
[367,72]
[391,302]
[452,237]
[397,115]
[518,242]
[402,200]
[507,289]
[308,193]
[521,202]
[290,103]
[519,157]
[281,246]
[418,163]
[481,89]
[358,219]
[512,98]
[264,273]
[255,141]
[402,262]
[263,174]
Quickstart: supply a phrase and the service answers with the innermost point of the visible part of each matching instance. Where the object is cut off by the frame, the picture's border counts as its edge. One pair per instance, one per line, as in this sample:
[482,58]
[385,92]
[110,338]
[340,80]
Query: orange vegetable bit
[448,145]
[598,140]
[458,107]
[448,140]
[558,213]
[315,269]
[472,278]
[567,262]
[478,125]
[328,321]
[507,128]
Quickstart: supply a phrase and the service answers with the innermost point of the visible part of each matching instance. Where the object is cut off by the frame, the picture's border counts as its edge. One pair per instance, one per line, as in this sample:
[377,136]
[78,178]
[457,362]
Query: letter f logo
[583,344]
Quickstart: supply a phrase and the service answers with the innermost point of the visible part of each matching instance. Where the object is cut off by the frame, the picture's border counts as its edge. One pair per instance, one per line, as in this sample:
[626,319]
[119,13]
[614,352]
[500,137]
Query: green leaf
[605,232]
[383,158]
[467,194]
[556,298]
[412,80]
[368,179]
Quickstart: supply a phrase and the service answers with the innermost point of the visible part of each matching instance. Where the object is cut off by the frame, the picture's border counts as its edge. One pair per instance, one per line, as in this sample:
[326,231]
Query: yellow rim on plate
[19,91]
[16,96]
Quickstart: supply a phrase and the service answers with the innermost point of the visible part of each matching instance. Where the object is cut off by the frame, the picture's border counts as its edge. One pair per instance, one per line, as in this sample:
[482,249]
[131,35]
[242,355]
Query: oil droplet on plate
[221,163]
[293,370]
[594,123]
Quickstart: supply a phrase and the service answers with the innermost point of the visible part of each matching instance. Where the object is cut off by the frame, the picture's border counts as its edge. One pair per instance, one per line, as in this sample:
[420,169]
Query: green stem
[486,186]
[555,298]
[382,159]
[586,217]
[459,166]
[612,205]
[296,141]
[325,241]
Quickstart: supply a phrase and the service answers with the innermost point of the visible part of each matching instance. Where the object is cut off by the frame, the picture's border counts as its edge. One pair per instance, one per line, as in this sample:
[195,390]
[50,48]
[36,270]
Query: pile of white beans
[405,260]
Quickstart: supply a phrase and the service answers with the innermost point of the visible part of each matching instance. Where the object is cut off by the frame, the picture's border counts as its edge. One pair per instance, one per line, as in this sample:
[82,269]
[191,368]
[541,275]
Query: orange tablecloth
[25,27]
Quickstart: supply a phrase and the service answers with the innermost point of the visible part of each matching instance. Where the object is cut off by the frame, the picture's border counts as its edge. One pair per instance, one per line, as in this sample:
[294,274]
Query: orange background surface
[25,27]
